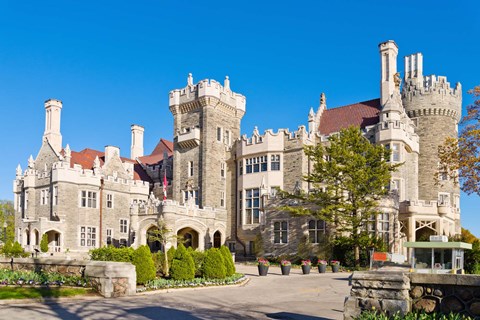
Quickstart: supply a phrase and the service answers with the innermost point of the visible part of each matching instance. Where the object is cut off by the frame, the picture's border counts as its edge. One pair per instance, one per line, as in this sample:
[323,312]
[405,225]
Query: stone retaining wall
[392,292]
[110,279]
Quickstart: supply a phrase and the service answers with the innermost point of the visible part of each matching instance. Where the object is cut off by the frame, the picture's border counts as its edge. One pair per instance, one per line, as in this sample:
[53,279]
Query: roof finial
[311,114]
[255,131]
[190,79]
[31,162]
[19,170]
[226,84]
[68,152]
[96,163]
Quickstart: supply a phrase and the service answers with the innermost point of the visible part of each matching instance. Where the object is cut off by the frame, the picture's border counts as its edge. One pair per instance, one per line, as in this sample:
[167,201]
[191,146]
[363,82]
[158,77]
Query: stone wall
[392,292]
[110,279]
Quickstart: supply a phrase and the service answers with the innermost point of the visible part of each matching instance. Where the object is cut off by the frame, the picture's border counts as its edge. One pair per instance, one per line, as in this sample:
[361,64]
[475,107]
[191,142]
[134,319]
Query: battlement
[282,134]
[207,88]
[422,207]
[431,84]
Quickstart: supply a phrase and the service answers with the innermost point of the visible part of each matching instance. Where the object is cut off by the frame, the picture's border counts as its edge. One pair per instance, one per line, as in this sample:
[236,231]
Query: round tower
[435,109]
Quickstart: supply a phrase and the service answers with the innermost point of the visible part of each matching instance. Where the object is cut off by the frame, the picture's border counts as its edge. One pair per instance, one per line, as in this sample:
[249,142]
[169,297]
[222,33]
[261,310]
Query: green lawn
[32,292]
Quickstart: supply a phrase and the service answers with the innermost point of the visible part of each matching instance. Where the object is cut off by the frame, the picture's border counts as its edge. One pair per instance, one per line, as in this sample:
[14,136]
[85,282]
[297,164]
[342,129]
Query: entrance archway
[153,244]
[54,241]
[190,237]
[36,237]
[217,239]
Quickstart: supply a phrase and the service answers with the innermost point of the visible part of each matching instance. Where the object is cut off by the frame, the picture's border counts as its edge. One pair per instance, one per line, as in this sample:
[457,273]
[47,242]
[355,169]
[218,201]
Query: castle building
[213,186]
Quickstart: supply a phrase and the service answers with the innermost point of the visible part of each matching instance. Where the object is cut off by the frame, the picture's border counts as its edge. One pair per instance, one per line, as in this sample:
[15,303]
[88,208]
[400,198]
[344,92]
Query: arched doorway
[36,237]
[152,239]
[27,237]
[190,237]
[54,241]
[217,239]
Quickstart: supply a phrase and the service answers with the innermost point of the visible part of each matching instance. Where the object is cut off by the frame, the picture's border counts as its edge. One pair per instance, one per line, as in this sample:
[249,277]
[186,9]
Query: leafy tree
[183,267]
[7,218]
[472,257]
[44,243]
[348,178]
[144,266]
[460,158]
[163,234]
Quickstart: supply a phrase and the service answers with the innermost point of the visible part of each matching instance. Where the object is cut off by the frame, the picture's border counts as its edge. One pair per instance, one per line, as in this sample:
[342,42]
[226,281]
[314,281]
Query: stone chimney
[136,149]
[52,133]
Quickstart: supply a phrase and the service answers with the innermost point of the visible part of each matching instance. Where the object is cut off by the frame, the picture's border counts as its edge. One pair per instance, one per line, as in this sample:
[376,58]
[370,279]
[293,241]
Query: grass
[36,292]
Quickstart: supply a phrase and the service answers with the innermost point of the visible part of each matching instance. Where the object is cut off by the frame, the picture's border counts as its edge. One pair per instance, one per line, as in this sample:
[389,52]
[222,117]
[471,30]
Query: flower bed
[161,283]
[31,278]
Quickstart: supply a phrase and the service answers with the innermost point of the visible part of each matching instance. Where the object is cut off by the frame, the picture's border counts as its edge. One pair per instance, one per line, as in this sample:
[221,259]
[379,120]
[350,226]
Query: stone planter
[285,270]
[335,268]
[306,269]
[262,270]
[322,268]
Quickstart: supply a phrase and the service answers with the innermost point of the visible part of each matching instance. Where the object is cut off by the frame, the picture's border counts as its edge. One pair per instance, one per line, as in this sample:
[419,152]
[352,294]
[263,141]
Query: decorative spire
[19,170]
[255,131]
[31,162]
[311,114]
[190,79]
[96,163]
[323,99]
[68,152]
[226,84]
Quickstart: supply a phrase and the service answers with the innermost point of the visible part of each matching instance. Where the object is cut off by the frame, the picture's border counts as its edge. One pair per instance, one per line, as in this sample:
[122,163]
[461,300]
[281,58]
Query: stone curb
[170,290]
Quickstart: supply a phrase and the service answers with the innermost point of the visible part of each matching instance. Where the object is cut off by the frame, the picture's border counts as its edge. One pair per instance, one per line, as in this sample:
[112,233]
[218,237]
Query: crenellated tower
[207,119]
[435,109]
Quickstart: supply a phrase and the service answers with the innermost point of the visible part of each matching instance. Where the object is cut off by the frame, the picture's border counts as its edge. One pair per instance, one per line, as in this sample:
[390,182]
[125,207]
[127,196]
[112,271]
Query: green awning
[438,245]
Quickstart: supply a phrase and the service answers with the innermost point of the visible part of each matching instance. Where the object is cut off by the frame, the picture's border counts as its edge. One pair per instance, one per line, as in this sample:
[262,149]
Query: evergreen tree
[183,267]
[144,266]
[44,243]
[349,177]
[228,261]
[213,265]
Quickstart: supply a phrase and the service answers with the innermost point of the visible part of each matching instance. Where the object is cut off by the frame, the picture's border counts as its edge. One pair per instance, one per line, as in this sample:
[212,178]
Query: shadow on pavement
[293,316]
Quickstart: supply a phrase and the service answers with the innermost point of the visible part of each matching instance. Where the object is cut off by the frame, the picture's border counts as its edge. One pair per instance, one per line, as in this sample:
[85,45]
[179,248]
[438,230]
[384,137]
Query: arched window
[280,231]
[316,230]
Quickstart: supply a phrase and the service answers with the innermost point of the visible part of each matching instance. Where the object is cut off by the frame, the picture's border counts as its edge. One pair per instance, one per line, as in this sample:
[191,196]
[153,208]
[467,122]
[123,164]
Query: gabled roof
[157,154]
[361,114]
[87,156]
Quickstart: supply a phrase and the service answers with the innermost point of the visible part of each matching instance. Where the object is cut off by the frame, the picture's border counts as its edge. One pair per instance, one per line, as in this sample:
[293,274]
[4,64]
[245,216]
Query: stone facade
[213,186]
[392,292]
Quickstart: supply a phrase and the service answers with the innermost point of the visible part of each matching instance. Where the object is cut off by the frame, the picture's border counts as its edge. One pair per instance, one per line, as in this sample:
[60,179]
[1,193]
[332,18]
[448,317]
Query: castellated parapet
[206,89]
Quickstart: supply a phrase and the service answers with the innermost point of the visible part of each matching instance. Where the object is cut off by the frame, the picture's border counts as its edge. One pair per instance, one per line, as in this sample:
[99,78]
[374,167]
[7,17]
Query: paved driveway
[309,297]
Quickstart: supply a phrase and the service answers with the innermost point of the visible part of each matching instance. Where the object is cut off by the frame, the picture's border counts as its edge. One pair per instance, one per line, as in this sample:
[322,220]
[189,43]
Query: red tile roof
[87,156]
[359,114]
[157,154]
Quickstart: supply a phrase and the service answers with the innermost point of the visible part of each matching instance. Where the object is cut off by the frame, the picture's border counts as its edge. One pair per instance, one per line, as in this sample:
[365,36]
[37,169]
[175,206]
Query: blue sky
[112,63]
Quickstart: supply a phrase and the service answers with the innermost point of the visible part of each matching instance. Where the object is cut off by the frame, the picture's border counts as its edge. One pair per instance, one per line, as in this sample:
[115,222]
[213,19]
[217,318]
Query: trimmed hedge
[142,259]
[111,253]
[44,243]
[183,267]
[228,261]
[213,265]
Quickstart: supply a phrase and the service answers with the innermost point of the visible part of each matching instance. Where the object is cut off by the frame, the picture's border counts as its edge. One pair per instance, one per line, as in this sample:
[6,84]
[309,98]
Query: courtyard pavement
[308,297]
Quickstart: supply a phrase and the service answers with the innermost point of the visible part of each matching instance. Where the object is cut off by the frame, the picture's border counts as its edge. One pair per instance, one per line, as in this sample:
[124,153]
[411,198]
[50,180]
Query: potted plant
[335,265]
[322,266]
[262,266]
[306,265]
[285,265]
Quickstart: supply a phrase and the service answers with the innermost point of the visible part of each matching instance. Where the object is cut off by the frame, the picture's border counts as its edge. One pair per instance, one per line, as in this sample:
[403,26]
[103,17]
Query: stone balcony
[189,139]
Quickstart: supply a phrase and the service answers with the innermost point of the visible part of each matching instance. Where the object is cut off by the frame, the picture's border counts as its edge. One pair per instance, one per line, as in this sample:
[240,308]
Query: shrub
[213,265]
[14,250]
[111,253]
[228,261]
[44,243]
[183,267]
[7,248]
[198,258]
[142,259]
